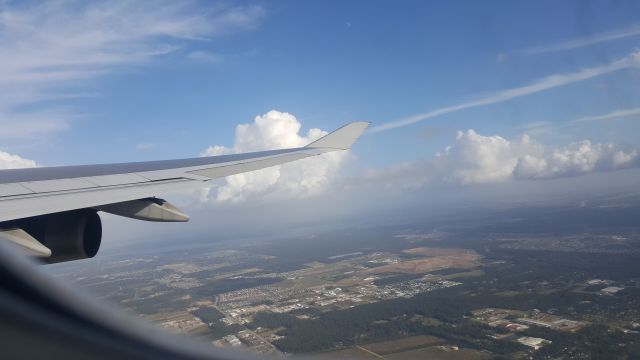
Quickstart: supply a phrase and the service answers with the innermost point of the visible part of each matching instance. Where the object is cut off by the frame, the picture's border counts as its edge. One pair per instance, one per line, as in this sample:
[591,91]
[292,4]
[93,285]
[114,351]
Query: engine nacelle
[71,235]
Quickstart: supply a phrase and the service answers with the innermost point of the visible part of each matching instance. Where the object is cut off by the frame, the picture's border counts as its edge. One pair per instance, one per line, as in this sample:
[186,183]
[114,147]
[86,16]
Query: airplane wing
[51,212]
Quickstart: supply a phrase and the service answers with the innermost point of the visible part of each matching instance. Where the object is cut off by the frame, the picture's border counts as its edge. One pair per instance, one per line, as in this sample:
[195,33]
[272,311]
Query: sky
[462,95]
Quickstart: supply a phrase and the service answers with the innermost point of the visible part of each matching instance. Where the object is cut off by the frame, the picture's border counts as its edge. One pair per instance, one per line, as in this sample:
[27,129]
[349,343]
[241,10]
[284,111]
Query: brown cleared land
[439,258]
[394,346]
[429,252]
[349,353]
[438,353]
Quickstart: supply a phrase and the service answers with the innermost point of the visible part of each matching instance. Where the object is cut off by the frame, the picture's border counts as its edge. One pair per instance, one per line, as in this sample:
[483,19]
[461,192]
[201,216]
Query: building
[533,342]
[233,340]
[513,327]
[611,290]
[596,282]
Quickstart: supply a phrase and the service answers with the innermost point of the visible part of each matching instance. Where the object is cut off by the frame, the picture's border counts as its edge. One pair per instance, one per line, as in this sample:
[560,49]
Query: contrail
[578,43]
[612,115]
[549,82]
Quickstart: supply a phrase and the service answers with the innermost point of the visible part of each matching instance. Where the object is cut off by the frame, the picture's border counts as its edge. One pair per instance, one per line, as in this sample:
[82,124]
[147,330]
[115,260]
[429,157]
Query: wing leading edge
[39,191]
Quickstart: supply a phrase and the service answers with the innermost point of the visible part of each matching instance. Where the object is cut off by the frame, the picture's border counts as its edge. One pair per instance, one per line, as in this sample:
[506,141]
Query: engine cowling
[71,235]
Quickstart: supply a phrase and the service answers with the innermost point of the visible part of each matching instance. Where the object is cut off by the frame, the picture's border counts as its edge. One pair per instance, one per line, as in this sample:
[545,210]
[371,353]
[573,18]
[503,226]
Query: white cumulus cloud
[275,130]
[476,158]
[10,161]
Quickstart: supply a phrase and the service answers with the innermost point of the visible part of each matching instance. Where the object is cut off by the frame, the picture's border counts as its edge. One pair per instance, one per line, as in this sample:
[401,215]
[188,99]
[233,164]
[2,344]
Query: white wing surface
[39,191]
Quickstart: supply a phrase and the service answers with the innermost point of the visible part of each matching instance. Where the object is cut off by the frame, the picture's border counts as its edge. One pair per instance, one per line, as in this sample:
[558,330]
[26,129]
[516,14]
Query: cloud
[475,159]
[51,50]
[10,161]
[205,57]
[549,82]
[145,146]
[275,130]
[25,125]
[585,41]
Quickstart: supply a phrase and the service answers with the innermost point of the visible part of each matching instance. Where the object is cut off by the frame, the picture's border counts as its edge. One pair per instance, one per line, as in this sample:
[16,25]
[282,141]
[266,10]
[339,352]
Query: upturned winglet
[341,139]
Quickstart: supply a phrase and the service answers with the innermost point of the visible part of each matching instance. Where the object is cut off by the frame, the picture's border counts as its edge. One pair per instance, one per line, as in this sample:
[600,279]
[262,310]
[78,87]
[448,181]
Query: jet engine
[76,234]
[59,237]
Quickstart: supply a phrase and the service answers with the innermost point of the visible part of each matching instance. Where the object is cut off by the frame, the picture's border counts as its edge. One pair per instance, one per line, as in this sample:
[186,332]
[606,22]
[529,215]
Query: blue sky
[128,81]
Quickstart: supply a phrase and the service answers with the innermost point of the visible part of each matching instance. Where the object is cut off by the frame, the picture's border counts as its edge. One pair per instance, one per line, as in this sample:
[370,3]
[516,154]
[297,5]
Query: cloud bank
[475,158]
[275,130]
